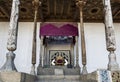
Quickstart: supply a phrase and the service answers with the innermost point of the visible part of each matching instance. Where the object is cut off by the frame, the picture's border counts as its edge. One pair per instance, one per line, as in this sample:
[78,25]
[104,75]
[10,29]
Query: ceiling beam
[48,7]
[115,15]
[62,6]
[69,6]
[55,7]
[4,12]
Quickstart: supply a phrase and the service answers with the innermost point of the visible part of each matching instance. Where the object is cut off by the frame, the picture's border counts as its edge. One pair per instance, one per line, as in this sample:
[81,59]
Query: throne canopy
[64,30]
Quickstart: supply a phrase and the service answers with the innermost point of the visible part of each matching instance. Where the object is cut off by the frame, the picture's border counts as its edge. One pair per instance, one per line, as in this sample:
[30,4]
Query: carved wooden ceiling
[60,10]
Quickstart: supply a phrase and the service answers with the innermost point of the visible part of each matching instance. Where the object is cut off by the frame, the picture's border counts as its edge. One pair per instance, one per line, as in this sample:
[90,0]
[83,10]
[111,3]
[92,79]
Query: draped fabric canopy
[65,30]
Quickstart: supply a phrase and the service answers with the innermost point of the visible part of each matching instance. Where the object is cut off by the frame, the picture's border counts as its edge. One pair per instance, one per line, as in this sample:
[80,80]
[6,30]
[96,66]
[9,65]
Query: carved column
[12,38]
[36,4]
[80,4]
[110,36]
[77,53]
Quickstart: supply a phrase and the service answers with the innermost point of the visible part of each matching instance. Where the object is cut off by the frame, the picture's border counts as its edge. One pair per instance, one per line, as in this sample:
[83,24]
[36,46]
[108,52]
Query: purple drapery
[65,30]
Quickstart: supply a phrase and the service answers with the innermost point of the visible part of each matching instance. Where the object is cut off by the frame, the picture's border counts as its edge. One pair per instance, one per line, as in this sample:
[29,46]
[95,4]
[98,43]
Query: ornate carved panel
[60,10]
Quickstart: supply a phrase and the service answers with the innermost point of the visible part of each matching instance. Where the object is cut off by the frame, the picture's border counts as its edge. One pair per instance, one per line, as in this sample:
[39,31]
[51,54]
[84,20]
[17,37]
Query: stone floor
[97,76]
[23,77]
[58,78]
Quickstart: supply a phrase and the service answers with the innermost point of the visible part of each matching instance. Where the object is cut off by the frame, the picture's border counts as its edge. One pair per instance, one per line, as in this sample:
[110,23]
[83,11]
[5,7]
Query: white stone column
[44,59]
[40,66]
[77,52]
[47,55]
[110,36]
[72,54]
[12,38]
[41,51]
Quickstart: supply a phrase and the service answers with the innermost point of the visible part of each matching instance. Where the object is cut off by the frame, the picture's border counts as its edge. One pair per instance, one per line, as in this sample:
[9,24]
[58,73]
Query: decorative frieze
[115,76]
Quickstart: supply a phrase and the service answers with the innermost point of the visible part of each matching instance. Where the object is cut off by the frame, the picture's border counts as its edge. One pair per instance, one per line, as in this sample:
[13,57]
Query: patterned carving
[12,33]
[104,76]
[110,35]
[116,76]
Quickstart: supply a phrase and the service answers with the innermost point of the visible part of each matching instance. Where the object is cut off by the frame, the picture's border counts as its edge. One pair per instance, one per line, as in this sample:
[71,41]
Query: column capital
[36,4]
[80,3]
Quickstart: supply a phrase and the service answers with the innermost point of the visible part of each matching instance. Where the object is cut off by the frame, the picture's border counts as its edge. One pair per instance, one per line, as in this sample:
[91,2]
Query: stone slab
[72,71]
[16,77]
[59,72]
[45,71]
[58,78]
[52,71]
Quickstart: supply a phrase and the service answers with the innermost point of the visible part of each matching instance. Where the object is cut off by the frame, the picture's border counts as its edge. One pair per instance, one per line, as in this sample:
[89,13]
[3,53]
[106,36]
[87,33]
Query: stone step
[57,81]
[58,78]
[63,78]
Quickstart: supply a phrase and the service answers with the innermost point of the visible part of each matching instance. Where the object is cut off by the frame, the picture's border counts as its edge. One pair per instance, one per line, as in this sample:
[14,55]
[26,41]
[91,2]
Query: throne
[59,61]
[58,41]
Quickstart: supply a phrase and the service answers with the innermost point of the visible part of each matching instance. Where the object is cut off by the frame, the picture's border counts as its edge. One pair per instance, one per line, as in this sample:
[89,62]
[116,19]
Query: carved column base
[112,65]
[84,70]
[33,70]
[9,64]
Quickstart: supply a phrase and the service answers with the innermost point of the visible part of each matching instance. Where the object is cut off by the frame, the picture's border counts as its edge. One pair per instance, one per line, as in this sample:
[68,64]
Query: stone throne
[58,52]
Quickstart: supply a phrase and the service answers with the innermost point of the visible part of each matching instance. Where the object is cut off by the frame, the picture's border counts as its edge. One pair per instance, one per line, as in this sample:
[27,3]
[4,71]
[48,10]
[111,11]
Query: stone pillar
[47,55]
[36,4]
[80,4]
[12,38]
[77,52]
[40,66]
[41,51]
[44,60]
[72,54]
[110,36]
[43,54]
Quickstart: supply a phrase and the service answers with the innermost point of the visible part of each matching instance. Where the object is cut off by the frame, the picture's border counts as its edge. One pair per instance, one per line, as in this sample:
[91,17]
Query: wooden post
[110,36]
[80,4]
[36,4]
[12,38]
